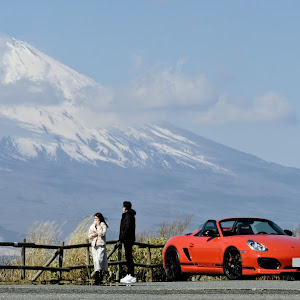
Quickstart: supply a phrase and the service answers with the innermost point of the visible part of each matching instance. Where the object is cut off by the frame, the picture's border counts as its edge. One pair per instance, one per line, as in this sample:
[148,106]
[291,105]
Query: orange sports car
[233,247]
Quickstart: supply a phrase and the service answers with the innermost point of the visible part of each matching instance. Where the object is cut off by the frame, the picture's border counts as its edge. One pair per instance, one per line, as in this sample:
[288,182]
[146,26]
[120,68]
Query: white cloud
[273,107]
[162,92]
[28,92]
[166,87]
[159,93]
[165,93]
[269,108]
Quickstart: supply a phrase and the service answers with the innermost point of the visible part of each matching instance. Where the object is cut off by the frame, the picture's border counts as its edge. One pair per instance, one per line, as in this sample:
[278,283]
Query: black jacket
[127,227]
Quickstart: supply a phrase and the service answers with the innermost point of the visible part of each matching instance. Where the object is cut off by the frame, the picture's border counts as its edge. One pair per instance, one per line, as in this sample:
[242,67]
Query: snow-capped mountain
[56,164]
[20,61]
[50,128]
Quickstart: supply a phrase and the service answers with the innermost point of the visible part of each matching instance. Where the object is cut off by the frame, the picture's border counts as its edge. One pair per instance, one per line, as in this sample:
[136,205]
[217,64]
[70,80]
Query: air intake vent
[187,254]
[268,263]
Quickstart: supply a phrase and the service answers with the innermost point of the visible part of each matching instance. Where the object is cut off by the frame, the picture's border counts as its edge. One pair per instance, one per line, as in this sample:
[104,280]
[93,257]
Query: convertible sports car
[233,247]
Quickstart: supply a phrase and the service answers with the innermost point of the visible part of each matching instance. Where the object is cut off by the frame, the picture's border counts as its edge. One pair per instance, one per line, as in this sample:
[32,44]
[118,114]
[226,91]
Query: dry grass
[48,233]
[76,257]
[9,275]
[167,229]
[177,227]
[39,233]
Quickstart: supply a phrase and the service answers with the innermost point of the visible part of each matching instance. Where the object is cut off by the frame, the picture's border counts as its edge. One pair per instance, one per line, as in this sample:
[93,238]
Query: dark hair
[101,218]
[127,205]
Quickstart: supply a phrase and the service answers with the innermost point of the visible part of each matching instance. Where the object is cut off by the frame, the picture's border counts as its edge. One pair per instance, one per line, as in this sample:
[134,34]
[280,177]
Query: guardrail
[60,249]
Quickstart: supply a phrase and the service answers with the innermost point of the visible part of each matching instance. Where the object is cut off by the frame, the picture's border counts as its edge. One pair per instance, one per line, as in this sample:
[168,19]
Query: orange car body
[199,253]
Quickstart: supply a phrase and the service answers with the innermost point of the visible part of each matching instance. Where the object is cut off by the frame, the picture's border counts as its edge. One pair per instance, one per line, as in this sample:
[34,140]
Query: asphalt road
[255,289]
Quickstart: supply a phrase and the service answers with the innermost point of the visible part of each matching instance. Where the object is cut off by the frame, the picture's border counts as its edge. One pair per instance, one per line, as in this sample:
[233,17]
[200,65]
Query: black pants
[129,258]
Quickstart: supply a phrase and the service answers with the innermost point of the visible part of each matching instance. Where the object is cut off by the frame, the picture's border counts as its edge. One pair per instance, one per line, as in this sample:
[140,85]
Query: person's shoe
[130,279]
[124,280]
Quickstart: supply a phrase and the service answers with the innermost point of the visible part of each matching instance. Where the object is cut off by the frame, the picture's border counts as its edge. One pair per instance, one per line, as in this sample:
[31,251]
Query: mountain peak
[24,65]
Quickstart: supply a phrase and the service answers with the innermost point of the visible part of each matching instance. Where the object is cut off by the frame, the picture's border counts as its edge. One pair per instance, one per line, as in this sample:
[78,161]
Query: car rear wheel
[172,265]
[232,264]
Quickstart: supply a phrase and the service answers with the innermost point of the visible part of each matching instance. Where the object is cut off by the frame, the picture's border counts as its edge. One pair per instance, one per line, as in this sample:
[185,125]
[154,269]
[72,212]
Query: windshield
[249,227]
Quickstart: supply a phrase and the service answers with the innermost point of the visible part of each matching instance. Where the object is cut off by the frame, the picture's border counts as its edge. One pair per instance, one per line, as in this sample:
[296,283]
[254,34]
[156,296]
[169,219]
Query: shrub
[296,231]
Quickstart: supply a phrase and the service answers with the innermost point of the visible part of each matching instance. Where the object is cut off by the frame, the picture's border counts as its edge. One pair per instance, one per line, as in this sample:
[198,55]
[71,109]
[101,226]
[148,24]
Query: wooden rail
[60,249]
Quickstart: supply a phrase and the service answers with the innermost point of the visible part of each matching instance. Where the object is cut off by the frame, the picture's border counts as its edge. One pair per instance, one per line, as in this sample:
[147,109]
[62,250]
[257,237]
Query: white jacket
[99,240]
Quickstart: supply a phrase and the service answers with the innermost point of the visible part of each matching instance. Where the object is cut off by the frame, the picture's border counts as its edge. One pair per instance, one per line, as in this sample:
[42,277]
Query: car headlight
[256,246]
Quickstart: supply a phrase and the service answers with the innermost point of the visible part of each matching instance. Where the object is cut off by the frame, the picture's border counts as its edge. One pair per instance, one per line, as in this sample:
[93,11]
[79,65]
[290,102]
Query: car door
[205,249]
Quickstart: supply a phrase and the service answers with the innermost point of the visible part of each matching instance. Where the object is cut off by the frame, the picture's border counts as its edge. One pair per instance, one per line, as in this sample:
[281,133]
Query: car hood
[275,242]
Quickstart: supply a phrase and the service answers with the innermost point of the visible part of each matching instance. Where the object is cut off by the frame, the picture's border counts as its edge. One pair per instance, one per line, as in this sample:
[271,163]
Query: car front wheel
[172,265]
[232,264]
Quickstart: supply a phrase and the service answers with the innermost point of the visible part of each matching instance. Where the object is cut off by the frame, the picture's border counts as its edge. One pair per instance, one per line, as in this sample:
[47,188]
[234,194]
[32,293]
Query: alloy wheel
[232,264]
[172,265]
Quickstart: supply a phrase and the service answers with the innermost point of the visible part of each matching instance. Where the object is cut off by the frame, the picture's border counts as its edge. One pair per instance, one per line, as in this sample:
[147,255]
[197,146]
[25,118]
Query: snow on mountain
[130,147]
[21,61]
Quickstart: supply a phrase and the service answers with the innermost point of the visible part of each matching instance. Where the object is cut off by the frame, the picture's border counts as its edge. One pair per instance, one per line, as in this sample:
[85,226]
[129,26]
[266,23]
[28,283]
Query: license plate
[296,262]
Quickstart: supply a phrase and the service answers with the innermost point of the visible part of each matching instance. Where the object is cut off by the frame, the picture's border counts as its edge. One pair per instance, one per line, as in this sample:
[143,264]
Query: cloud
[272,107]
[269,108]
[166,93]
[159,93]
[29,92]
[162,92]
[168,88]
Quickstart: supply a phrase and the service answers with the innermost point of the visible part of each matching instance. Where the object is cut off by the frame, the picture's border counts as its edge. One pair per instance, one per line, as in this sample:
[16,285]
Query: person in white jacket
[97,233]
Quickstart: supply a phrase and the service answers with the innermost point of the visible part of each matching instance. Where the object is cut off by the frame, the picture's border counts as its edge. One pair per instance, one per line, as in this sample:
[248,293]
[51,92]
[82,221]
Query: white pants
[100,258]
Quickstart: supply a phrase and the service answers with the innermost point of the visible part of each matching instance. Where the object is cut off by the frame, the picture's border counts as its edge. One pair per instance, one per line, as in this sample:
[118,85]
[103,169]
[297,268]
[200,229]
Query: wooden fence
[60,249]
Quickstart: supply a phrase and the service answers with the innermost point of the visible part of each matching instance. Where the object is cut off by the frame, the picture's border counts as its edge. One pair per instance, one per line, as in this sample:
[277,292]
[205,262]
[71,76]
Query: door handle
[191,245]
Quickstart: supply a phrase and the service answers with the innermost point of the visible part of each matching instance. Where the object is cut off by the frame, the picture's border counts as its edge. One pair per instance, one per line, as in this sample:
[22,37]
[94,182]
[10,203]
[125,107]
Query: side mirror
[288,232]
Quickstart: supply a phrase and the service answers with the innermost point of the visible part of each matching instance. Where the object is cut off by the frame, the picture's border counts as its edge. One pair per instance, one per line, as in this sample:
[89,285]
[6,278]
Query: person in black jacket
[127,237]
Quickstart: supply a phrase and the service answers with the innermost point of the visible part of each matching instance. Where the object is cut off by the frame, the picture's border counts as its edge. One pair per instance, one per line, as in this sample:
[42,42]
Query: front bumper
[268,263]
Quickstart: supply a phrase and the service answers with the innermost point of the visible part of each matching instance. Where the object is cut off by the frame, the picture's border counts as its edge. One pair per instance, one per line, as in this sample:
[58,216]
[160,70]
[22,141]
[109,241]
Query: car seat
[244,229]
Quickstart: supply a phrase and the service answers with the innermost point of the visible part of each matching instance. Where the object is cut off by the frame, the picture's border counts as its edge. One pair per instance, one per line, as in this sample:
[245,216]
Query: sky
[226,70]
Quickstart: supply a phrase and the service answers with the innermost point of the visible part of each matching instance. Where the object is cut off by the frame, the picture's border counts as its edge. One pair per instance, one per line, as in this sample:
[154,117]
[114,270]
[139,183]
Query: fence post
[50,260]
[149,263]
[88,259]
[119,265]
[23,259]
[60,259]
